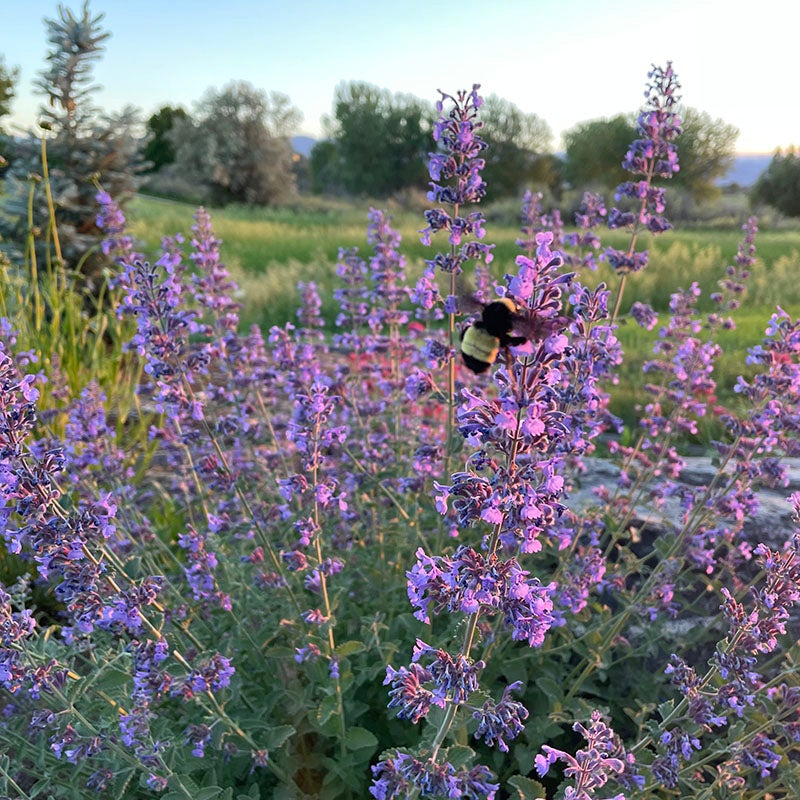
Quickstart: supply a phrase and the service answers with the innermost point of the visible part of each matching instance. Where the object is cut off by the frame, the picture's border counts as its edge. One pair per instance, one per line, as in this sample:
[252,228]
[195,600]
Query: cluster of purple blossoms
[110,219]
[590,362]
[750,634]
[213,674]
[455,170]
[644,315]
[388,276]
[352,272]
[470,583]
[309,314]
[163,326]
[315,438]
[532,221]
[732,286]
[654,155]
[403,775]
[211,285]
[200,567]
[502,719]
[92,456]
[585,242]
[603,759]
[774,392]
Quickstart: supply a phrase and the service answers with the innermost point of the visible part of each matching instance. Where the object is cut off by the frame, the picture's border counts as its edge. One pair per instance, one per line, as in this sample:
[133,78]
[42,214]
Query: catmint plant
[281,576]
[511,490]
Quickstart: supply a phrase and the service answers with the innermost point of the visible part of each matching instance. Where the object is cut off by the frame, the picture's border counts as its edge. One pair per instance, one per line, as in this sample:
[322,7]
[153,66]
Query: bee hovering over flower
[482,341]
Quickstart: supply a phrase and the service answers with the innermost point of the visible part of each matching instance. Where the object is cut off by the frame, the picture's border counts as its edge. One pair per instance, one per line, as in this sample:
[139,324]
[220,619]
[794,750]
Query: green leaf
[527,789]
[550,688]
[666,708]
[326,709]
[253,793]
[207,793]
[459,755]
[349,648]
[111,678]
[361,739]
[275,737]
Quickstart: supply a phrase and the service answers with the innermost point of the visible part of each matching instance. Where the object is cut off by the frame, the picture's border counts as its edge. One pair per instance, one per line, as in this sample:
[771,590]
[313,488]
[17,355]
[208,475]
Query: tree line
[375,144]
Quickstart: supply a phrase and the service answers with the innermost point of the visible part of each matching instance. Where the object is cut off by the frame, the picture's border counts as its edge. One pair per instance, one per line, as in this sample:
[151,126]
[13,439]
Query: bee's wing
[536,326]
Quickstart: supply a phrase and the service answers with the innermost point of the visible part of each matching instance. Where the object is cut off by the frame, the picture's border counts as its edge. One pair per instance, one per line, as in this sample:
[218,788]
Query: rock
[772,524]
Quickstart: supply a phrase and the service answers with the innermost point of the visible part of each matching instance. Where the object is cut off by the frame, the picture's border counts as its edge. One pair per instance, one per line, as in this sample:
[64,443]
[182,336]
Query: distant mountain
[745,169]
[303,145]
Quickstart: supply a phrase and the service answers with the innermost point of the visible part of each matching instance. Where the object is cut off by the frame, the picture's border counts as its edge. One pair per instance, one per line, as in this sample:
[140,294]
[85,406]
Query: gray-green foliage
[237,145]
[83,146]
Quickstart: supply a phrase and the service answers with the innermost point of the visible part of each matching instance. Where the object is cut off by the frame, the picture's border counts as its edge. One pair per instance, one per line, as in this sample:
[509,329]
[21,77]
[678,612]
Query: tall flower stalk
[511,488]
[455,171]
[653,155]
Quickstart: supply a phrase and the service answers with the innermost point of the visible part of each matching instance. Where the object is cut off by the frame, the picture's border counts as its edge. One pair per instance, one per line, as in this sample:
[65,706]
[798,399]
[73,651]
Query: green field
[269,250]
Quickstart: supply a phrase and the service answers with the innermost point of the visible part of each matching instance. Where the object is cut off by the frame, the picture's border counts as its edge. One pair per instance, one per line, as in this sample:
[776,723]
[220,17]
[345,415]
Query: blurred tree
[8,79]
[159,149]
[376,142]
[82,145]
[705,152]
[518,146]
[779,184]
[595,149]
[237,146]
[326,168]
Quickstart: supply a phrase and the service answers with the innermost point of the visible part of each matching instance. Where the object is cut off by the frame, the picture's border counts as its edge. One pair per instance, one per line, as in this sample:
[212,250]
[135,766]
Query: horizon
[307,49]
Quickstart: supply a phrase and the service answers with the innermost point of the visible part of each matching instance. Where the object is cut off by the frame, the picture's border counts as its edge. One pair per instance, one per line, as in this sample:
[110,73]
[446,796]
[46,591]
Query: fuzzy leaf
[526,788]
[360,739]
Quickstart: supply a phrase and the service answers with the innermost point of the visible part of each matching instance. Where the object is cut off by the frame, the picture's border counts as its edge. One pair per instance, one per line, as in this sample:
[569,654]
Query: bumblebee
[481,341]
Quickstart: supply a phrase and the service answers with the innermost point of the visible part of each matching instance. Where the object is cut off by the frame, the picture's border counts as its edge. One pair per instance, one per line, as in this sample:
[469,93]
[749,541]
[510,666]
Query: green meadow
[269,250]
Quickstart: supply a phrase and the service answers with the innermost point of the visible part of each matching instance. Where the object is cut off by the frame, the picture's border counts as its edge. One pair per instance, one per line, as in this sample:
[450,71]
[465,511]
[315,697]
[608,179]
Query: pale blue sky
[565,60]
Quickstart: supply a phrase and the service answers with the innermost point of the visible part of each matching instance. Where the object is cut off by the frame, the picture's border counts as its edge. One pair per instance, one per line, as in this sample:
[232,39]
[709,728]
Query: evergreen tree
[82,145]
[8,77]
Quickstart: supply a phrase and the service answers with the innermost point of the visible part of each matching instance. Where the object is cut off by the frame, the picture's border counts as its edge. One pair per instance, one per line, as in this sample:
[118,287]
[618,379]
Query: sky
[567,61]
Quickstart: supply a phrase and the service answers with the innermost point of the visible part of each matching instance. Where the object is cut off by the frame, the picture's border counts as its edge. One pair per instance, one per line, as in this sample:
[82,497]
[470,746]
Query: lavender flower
[602,759]
[110,219]
[732,287]
[496,721]
[585,241]
[654,155]
[401,775]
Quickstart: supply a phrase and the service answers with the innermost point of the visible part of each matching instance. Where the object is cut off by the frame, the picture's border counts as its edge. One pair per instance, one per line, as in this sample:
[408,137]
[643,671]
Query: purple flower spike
[653,155]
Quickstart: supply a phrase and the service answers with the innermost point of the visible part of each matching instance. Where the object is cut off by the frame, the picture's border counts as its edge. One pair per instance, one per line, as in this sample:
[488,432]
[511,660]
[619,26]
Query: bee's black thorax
[496,319]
